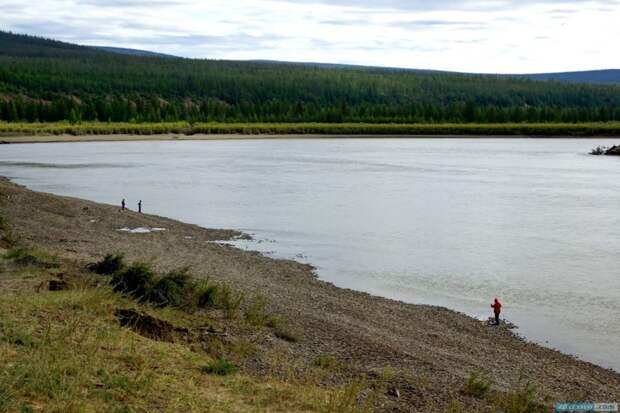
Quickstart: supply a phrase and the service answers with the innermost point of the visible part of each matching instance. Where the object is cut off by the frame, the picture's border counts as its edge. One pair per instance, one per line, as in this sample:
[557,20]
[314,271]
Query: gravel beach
[432,350]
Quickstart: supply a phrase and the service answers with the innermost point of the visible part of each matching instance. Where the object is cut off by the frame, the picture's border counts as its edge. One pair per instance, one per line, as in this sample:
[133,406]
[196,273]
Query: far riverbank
[64,131]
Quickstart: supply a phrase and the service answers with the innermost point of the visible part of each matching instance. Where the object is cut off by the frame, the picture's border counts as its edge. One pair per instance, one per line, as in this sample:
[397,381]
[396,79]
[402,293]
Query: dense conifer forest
[46,81]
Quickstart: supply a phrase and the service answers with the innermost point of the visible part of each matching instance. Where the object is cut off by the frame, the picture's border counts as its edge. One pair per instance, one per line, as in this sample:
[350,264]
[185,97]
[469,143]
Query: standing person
[140,206]
[123,204]
[497,309]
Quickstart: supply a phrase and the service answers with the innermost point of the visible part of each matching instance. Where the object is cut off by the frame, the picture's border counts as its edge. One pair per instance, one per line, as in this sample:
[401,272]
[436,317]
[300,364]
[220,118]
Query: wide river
[450,222]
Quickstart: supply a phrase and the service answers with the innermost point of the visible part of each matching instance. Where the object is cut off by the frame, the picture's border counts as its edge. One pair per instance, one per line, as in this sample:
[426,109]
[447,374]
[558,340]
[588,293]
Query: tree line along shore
[611,129]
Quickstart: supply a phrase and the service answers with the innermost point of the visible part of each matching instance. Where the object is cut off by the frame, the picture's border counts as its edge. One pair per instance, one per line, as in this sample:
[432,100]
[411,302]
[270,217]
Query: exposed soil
[145,325]
[432,350]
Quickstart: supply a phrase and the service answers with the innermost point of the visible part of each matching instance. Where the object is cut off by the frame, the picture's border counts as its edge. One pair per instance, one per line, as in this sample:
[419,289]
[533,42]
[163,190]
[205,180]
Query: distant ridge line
[598,76]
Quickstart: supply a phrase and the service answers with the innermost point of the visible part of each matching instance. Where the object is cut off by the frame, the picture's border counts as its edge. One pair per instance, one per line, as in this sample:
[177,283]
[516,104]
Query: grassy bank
[65,351]
[184,128]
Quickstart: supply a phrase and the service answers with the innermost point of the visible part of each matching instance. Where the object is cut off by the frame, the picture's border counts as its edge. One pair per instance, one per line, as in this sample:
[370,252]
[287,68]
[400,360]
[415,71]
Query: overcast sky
[493,36]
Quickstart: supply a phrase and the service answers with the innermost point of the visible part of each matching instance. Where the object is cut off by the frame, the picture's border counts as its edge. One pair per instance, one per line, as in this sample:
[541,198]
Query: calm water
[447,222]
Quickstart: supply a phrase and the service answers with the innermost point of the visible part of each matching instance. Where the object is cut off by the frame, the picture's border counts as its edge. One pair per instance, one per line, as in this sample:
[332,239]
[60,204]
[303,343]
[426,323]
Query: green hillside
[48,81]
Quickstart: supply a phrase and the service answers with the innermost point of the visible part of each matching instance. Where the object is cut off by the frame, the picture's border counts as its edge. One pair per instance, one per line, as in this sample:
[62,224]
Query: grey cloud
[9,8]
[408,24]
[79,31]
[471,41]
[425,5]
[131,3]
[437,23]
[187,42]
[345,22]
[50,29]
[563,11]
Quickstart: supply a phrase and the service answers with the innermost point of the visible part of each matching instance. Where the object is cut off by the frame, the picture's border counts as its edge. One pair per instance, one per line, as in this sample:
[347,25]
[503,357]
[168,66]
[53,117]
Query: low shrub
[521,400]
[109,265]
[6,235]
[207,296]
[219,367]
[9,238]
[477,386]
[355,397]
[172,289]
[220,296]
[27,257]
[256,313]
[136,280]
[229,301]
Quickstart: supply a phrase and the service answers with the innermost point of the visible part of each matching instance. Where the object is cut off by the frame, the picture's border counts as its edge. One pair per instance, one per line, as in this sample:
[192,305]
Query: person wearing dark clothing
[140,206]
[123,204]
[497,309]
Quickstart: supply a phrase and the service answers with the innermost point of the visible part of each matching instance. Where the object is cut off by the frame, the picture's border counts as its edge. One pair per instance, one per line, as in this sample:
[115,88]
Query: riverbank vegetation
[71,344]
[188,129]
[47,81]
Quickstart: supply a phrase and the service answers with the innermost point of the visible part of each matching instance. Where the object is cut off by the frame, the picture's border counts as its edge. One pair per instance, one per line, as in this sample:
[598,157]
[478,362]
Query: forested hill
[609,76]
[130,52]
[44,80]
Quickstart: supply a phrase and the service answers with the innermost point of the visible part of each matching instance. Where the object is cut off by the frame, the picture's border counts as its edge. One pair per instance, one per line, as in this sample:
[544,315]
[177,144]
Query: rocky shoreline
[603,150]
[430,351]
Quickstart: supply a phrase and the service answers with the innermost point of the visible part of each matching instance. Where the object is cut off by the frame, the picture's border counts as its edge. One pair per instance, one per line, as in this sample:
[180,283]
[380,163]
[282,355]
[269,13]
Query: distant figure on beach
[497,309]
[140,206]
[123,204]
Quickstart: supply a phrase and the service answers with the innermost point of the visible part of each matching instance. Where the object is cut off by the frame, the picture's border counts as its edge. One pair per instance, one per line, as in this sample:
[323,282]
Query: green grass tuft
[136,280]
[521,400]
[109,265]
[256,314]
[171,290]
[327,362]
[220,296]
[207,296]
[30,257]
[477,386]
[219,367]
[6,235]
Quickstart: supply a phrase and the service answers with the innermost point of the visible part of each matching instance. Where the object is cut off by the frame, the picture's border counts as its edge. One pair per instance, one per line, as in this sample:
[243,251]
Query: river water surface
[451,222]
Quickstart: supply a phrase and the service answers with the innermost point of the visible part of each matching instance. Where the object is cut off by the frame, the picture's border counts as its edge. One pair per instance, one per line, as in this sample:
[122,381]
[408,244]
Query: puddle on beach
[140,230]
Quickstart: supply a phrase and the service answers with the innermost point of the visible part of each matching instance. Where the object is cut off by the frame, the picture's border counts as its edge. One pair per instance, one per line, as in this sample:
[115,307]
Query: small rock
[394,392]
[614,151]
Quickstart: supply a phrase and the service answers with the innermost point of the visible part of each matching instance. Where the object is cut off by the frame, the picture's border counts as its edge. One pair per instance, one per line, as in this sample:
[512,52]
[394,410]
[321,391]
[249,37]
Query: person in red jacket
[497,309]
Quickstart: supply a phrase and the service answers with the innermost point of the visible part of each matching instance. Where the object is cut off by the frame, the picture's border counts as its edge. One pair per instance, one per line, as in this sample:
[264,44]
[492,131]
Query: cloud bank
[491,36]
